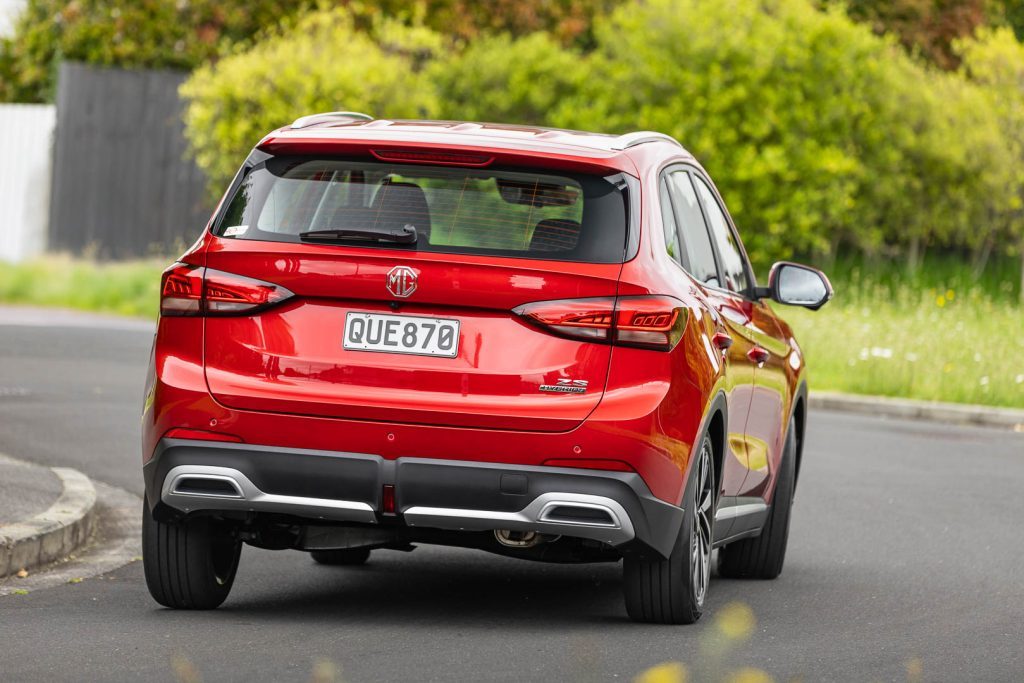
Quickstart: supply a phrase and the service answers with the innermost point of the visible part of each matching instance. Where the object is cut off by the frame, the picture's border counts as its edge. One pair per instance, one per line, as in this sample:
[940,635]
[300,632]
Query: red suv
[542,343]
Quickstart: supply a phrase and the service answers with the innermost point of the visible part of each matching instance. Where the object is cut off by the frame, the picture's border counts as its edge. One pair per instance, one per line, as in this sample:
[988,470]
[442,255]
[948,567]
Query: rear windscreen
[525,214]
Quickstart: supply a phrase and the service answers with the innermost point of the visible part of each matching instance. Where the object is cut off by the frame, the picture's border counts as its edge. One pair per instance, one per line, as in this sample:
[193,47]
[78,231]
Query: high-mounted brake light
[191,290]
[650,322]
[413,156]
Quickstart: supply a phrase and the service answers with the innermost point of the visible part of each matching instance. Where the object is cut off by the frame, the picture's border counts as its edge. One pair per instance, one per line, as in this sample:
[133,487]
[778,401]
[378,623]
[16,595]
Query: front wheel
[672,590]
[189,564]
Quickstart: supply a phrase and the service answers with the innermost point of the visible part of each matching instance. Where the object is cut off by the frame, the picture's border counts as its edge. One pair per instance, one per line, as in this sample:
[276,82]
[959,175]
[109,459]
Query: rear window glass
[549,215]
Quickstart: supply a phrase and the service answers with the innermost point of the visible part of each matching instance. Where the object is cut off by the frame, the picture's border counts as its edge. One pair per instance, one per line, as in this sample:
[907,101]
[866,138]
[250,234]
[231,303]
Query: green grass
[937,336]
[935,344]
[128,288]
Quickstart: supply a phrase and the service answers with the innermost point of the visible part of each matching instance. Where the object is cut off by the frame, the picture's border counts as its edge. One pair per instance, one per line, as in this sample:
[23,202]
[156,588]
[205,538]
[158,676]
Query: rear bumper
[616,508]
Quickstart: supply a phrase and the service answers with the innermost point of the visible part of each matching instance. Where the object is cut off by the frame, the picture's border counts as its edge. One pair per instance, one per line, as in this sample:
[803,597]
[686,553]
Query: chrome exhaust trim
[191,488]
[577,515]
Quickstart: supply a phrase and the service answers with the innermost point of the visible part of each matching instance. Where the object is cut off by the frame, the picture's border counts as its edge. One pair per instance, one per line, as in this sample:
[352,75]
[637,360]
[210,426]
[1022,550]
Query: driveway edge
[55,533]
[949,413]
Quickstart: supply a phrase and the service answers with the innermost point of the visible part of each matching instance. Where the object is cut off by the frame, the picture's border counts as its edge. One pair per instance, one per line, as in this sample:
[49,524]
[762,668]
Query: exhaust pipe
[517,539]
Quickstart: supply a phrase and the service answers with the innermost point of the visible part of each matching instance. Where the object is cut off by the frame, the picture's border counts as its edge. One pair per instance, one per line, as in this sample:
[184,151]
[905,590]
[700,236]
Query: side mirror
[796,285]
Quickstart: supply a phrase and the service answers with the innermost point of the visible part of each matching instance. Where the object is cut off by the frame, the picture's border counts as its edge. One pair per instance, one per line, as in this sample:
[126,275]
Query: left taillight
[193,290]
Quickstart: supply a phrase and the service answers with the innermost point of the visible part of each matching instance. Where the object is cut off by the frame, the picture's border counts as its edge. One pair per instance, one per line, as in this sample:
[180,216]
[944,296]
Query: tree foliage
[321,63]
[125,33]
[995,61]
[929,27]
[821,134]
[183,34]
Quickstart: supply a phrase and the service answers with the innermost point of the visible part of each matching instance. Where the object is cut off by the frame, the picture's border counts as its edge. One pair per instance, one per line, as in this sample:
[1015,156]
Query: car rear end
[382,341]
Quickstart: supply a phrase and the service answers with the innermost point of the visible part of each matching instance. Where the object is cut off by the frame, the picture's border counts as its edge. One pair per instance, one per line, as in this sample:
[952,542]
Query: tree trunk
[913,254]
[980,260]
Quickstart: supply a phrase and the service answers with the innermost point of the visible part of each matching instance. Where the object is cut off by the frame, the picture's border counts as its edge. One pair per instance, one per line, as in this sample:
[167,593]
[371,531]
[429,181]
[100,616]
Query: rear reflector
[191,290]
[650,322]
[387,505]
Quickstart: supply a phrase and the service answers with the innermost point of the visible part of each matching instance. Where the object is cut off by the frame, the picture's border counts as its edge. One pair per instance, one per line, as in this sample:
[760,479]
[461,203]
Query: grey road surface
[906,562]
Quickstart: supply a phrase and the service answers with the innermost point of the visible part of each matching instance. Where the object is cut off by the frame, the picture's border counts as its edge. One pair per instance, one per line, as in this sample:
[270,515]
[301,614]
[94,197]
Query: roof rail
[640,137]
[313,119]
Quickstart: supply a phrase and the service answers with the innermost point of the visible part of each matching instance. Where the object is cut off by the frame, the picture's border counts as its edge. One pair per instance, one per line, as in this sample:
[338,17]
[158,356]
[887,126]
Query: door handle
[722,341]
[758,355]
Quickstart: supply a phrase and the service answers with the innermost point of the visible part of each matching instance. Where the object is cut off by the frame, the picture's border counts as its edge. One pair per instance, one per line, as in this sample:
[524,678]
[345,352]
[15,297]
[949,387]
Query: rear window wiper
[406,235]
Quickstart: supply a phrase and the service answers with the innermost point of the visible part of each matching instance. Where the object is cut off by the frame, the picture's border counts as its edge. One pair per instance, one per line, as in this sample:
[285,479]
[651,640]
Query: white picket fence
[26,159]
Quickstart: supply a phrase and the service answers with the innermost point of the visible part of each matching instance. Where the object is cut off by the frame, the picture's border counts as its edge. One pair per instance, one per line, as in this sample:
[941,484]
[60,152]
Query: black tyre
[673,590]
[345,556]
[190,564]
[761,557]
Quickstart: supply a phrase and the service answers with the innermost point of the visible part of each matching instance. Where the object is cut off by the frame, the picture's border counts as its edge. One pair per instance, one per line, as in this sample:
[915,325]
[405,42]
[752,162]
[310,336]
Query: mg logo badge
[401,281]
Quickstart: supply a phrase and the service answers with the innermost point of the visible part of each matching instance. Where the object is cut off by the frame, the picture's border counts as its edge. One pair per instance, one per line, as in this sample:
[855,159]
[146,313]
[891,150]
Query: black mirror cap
[776,285]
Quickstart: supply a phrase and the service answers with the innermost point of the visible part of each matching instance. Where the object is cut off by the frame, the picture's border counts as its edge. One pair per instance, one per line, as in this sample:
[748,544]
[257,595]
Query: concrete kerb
[949,413]
[55,533]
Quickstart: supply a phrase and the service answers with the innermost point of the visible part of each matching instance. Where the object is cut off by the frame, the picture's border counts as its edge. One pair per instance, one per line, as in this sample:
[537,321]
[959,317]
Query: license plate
[387,333]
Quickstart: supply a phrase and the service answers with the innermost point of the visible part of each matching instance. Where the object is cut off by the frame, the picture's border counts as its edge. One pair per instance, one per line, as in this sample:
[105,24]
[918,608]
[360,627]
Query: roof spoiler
[639,137]
[330,117]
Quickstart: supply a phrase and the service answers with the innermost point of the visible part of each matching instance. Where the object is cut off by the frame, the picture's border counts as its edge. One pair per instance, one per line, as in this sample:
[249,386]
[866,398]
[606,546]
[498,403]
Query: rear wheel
[189,564]
[761,557]
[672,590]
[345,556]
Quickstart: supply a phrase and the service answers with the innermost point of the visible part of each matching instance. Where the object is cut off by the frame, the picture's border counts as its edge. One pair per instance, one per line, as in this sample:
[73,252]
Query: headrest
[398,204]
[555,234]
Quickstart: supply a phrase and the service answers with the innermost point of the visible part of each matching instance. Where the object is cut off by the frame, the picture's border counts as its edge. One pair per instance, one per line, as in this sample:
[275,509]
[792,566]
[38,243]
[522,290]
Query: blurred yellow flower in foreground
[749,676]
[669,672]
[915,670]
[736,620]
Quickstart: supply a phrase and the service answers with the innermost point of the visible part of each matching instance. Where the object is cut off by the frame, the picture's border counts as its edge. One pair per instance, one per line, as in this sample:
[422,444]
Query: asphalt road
[906,562]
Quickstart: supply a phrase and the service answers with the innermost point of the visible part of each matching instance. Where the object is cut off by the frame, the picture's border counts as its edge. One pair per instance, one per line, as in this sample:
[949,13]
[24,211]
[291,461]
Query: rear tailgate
[484,242]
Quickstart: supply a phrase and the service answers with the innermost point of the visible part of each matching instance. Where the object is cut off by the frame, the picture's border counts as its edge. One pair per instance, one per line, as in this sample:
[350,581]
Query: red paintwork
[281,378]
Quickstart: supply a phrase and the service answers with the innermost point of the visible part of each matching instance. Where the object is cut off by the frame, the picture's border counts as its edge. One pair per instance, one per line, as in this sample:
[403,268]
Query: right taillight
[192,290]
[650,322]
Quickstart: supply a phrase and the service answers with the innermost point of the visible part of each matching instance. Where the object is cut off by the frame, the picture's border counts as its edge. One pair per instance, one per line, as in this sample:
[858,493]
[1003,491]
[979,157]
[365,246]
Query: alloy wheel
[700,555]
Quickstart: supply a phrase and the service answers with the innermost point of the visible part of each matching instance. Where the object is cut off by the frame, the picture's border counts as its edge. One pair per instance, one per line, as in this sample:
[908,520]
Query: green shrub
[822,135]
[499,78]
[819,132]
[321,63]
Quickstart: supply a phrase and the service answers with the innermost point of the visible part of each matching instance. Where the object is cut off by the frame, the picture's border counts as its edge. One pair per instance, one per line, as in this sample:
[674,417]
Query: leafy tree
[183,34]
[125,33]
[497,77]
[320,63]
[821,134]
[568,21]
[928,27]
[996,61]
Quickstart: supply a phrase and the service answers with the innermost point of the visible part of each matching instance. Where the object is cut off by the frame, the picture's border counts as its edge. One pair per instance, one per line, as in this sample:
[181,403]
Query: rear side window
[668,224]
[733,267]
[698,255]
[506,212]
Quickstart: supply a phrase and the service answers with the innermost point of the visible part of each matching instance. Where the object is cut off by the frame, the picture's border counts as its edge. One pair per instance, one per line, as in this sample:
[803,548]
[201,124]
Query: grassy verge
[128,288]
[929,345]
[880,336]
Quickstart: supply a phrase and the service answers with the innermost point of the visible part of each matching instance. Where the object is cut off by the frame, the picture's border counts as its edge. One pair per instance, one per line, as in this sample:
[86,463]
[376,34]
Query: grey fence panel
[122,185]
